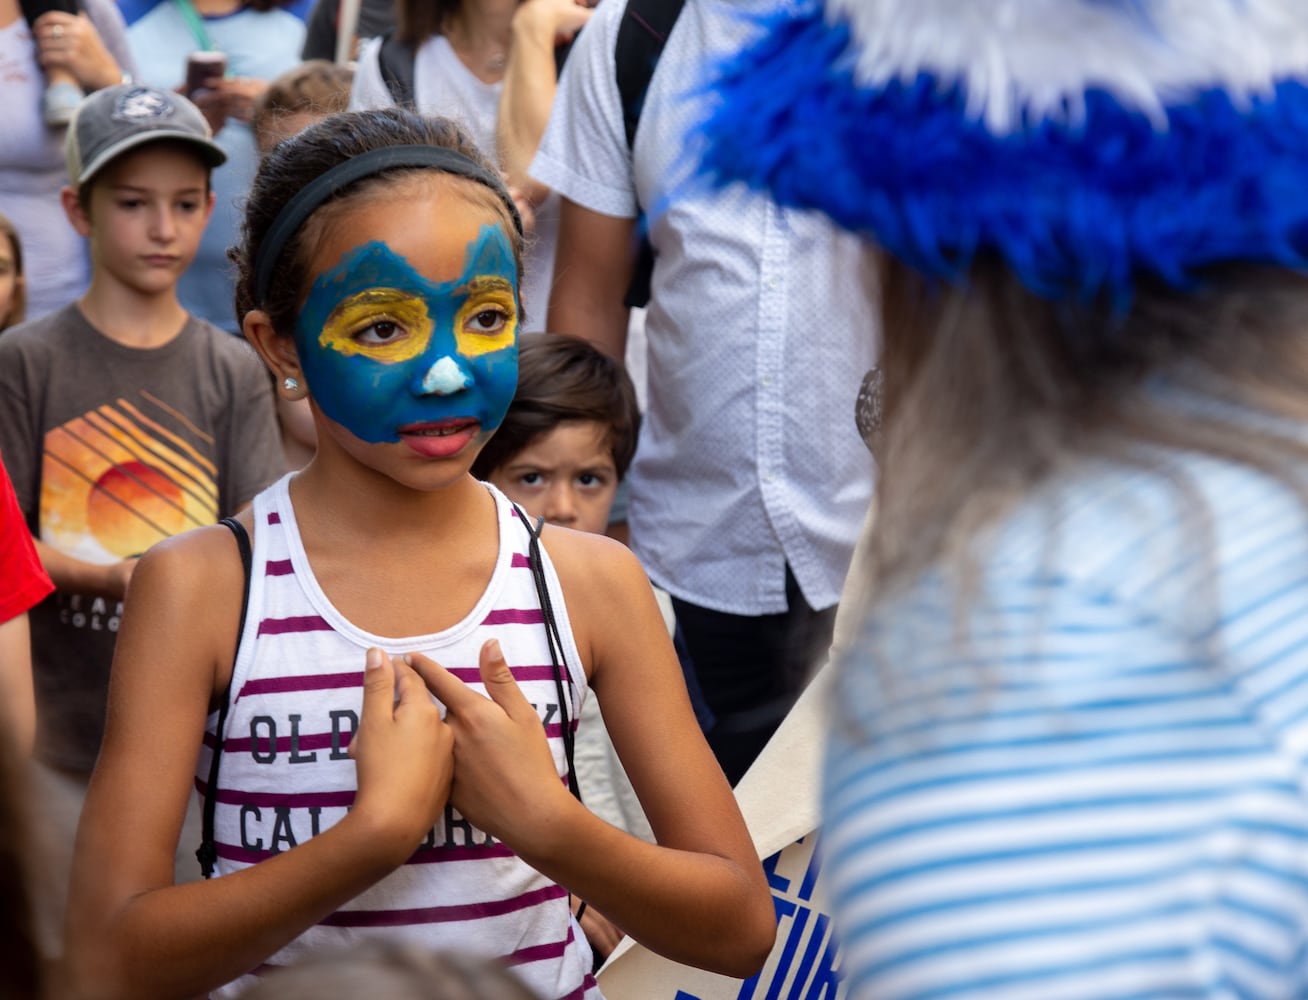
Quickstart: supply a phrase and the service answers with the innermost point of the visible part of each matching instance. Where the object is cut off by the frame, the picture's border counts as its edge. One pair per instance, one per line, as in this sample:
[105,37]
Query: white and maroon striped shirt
[285,775]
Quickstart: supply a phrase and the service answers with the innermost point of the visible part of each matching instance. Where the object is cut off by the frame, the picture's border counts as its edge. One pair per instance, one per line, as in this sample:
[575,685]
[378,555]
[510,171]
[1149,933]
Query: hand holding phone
[204,72]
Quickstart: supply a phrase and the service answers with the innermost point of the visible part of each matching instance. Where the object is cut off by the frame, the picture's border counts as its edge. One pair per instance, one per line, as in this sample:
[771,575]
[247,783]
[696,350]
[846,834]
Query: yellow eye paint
[356,314]
[487,292]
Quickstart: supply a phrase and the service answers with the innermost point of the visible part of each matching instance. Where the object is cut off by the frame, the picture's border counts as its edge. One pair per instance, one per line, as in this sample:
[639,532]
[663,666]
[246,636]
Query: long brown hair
[990,390]
[418,20]
[18,303]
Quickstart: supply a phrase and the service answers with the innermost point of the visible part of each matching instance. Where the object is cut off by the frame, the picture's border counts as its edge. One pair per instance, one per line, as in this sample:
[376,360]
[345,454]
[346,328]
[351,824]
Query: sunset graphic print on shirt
[126,475]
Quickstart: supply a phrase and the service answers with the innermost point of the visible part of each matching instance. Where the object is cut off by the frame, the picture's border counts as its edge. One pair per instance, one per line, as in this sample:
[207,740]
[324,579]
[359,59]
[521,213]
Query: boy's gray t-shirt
[111,449]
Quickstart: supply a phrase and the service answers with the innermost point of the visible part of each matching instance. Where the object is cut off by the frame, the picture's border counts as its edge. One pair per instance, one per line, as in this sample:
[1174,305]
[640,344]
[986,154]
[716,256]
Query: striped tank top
[297,691]
[1088,779]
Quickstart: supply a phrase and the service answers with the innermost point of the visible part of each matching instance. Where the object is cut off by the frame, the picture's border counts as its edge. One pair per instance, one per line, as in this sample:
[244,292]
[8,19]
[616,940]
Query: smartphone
[204,71]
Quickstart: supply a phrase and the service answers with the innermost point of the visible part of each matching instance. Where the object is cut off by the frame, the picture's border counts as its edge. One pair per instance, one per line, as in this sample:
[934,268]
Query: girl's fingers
[448,689]
[495,675]
[408,685]
[378,687]
[500,684]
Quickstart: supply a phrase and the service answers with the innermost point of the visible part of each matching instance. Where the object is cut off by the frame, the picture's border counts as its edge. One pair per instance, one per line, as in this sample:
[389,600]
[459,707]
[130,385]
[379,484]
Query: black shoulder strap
[555,643]
[645,27]
[395,60]
[207,852]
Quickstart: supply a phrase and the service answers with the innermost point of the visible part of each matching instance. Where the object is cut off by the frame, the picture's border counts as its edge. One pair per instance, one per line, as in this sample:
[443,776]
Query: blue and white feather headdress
[1086,142]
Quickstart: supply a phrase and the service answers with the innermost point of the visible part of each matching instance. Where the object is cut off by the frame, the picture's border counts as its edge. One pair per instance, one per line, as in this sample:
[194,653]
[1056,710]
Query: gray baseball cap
[111,121]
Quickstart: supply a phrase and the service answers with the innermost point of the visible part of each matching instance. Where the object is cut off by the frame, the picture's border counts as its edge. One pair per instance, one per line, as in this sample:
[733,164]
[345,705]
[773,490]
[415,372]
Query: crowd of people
[435,437]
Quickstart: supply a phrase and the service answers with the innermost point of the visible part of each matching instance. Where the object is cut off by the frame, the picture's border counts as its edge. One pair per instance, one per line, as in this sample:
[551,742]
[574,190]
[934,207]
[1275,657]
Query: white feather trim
[1039,56]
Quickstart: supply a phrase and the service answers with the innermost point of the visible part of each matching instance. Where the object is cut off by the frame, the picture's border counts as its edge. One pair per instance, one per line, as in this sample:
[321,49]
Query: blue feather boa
[1079,209]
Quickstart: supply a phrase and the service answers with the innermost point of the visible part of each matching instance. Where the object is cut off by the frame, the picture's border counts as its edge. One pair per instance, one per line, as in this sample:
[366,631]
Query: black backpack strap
[645,27]
[207,852]
[395,60]
[555,641]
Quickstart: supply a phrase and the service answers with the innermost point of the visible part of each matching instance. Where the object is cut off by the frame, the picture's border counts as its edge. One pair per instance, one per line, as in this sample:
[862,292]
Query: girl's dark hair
[18,304]
[564,378]
[418,20]
[292,164]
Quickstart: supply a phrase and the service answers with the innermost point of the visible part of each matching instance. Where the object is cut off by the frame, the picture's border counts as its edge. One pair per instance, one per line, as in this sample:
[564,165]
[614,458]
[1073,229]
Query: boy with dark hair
[124,419]
[569,435]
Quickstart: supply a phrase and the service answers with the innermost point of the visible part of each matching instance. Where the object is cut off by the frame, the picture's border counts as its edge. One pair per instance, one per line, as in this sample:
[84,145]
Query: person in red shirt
[23,583]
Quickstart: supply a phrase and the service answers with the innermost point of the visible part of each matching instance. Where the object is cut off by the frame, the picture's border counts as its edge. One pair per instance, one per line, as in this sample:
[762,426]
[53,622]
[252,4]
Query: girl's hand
[403,754]
[505,780]
[69,42]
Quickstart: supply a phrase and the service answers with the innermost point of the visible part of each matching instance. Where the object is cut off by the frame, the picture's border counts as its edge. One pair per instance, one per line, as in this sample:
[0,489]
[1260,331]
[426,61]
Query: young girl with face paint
[393,755]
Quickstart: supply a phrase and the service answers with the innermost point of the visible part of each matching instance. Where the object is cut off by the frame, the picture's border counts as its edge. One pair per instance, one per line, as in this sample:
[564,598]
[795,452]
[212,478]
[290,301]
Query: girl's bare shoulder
[590,561]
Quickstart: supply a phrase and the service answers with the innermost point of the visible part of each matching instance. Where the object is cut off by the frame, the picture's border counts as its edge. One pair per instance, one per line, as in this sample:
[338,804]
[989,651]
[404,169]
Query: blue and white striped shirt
[1095,787]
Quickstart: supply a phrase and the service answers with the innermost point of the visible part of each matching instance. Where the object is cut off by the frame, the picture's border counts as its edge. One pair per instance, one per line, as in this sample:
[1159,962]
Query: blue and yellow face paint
[385,350]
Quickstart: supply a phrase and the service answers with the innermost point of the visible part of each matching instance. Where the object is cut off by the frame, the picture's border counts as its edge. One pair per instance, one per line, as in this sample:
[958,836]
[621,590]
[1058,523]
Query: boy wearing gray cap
[123,419]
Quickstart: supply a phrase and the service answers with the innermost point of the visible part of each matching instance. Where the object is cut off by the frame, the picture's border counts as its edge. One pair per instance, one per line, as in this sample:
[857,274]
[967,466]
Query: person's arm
[17,696]
[592,269]
[22,585]
[77,576]
[239,94]
[530,81]
[698,896]
[131,931]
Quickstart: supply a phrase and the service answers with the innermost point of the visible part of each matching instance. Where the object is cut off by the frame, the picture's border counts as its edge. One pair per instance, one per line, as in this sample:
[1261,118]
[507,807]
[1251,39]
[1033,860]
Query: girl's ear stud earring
[290,384]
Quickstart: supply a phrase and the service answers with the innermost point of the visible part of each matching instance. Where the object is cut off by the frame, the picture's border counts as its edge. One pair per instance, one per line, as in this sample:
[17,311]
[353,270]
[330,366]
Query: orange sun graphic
[132,506]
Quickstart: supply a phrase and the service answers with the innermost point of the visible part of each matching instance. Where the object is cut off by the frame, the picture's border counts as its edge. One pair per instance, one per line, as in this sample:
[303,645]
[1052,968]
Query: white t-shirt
[760,330]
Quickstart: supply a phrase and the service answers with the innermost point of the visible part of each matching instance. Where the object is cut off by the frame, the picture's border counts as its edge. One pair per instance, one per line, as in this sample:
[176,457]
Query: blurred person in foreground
[1069,748]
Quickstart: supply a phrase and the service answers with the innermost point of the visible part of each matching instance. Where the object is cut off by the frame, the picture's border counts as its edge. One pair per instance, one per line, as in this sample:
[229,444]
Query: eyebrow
[488,283]
[138,189]
[605,466]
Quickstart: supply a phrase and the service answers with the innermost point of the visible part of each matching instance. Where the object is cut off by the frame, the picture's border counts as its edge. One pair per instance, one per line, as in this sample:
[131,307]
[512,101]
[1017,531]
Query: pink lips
[441,439]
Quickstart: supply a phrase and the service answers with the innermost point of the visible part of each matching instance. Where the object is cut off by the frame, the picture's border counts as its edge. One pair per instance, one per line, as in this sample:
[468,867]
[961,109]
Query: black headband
[374,161]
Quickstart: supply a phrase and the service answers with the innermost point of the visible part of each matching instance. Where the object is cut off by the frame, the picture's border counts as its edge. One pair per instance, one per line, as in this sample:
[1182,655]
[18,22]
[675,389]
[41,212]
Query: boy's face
[566,476]
[145,216]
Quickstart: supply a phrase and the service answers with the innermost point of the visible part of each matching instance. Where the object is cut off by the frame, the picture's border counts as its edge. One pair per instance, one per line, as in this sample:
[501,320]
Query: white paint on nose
[445,378]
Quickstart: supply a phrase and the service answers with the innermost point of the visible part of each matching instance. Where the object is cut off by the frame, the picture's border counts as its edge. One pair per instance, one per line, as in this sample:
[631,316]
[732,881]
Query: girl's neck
[9,12]
[341,498]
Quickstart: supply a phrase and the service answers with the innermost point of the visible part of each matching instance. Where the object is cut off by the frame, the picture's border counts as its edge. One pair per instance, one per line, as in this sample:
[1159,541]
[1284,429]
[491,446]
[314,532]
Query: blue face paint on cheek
[356,390]
[490,257]
[498,376]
